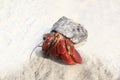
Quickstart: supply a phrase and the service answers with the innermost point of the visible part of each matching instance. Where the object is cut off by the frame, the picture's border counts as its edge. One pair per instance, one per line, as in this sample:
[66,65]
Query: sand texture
[23,23]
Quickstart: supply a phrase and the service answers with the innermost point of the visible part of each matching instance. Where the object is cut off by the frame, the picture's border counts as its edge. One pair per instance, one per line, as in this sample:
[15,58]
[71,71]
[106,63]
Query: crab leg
[62,51]
[73,52]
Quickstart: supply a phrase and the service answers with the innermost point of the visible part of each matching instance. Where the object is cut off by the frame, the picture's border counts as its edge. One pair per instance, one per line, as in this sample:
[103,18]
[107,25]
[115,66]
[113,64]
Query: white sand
[22,24]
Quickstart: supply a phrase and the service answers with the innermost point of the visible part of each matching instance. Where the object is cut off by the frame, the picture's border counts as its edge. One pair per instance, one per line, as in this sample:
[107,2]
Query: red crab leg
[53,50]
[77,57]
[73,52]
[61,48]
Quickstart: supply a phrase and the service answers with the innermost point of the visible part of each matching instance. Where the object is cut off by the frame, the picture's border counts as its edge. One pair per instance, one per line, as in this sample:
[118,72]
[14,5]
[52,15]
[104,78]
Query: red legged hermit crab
[60,41]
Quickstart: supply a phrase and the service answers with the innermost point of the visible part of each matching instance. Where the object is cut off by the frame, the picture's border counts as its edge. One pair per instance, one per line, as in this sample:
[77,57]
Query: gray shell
[70,29]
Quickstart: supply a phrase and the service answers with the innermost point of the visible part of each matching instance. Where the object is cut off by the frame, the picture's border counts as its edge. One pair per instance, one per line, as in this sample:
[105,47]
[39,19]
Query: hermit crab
[59,42]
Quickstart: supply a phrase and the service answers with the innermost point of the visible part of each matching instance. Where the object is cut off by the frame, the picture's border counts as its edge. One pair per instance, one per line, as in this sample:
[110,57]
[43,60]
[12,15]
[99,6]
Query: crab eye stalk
[44,37]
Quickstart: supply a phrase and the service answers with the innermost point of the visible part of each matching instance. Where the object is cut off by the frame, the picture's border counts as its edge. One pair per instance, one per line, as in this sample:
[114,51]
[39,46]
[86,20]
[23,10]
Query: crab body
[56,45]
[60,41]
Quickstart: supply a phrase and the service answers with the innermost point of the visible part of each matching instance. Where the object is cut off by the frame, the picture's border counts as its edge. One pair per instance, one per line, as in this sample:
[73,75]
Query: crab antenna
[34,50]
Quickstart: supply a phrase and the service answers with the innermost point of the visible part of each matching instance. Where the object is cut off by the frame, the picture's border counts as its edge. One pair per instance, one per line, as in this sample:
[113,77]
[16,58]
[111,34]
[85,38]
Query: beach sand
[23,23]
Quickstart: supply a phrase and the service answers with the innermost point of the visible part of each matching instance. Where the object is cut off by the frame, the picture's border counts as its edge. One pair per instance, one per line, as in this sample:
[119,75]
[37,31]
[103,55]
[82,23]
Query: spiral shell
[72,30]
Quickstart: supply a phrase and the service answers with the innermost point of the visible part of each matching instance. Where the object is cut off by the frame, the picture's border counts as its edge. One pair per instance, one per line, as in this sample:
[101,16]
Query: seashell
[70,29]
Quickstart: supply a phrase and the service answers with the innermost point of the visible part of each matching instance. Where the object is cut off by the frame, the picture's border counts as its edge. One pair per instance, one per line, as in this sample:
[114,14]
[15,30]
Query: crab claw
[73,52]
[67,58]
[72,58]
[76,56]
[68,53]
